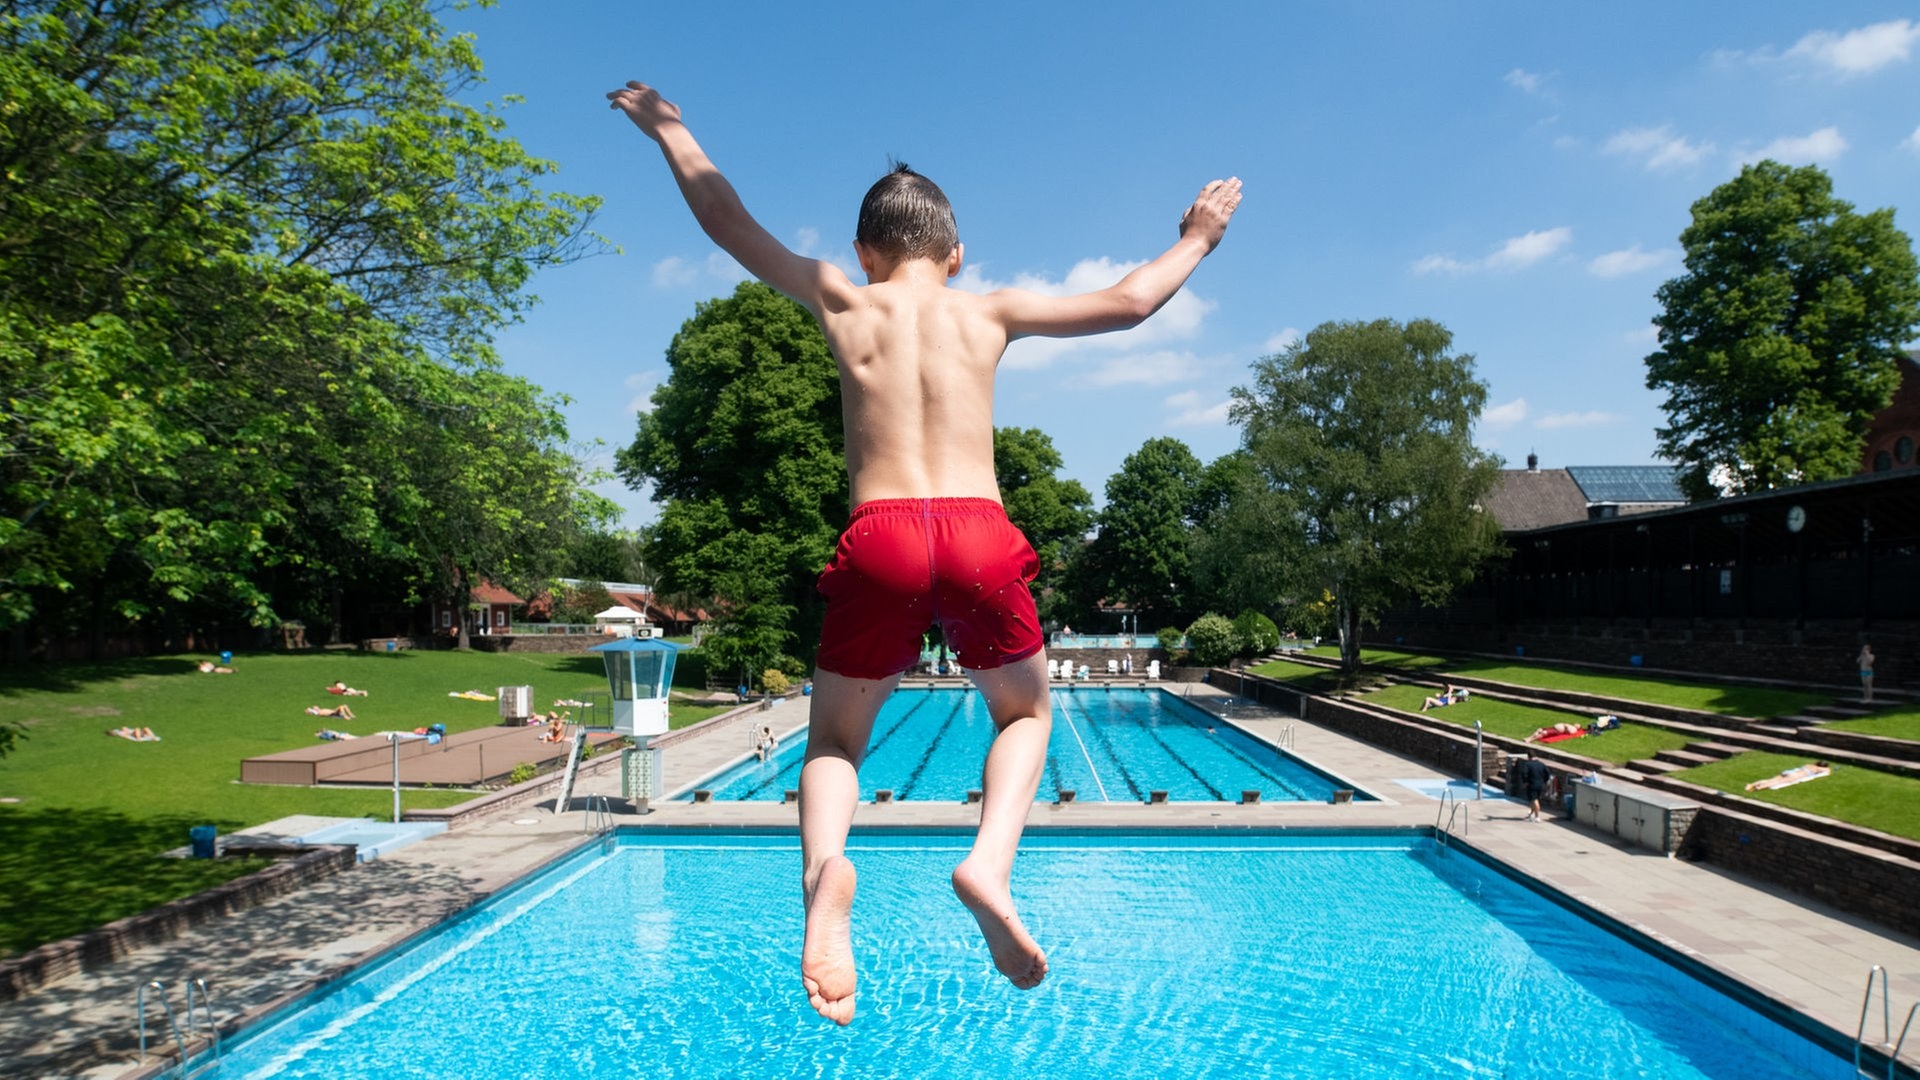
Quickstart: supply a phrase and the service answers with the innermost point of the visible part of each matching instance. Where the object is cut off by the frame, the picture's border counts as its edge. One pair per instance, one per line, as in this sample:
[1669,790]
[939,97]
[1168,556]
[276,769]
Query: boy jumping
[929,540]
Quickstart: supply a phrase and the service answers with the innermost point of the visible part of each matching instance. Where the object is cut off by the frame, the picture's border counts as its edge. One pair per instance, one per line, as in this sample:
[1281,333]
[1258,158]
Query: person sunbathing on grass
[1452,695]
[134,734]
[331,735]
[343,688]
[338,712]
[1557,729]
[208,667]
[1789,777]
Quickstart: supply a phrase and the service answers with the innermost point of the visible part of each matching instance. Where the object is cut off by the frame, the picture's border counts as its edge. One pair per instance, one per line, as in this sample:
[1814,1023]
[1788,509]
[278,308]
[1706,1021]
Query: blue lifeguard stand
[639,676]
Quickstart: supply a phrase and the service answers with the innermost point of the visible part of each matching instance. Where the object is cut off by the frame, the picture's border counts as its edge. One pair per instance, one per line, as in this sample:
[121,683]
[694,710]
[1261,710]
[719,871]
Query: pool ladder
[196,990]
[1887,1045]
[598,819]
[1450,811]
[1285,740]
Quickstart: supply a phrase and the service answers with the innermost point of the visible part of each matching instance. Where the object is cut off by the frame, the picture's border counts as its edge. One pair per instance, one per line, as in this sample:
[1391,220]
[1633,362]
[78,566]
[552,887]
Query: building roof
[1534,499]
[486,592]
[1629,483]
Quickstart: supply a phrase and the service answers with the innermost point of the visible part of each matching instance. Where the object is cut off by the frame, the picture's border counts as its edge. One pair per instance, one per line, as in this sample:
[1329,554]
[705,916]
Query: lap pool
[1108,745]
[1322,955]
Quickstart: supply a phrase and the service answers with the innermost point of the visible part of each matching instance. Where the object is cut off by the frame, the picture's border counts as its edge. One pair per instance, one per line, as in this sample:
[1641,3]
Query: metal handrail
[599,816]
[1286,736]
[1866,1006]
[140,1006]
[206,1006]
[1893,1059]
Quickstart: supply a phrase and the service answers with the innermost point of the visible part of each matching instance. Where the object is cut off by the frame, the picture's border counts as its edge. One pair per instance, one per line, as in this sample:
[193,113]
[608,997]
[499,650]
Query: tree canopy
[744,449]
[1053,513]
[1140,558]
[1782,338]
[1361,478]
[252,257]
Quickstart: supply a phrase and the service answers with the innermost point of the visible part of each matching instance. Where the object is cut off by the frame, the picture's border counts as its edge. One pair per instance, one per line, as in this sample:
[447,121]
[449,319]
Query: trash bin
[203,837]
[392,645]
[226,657]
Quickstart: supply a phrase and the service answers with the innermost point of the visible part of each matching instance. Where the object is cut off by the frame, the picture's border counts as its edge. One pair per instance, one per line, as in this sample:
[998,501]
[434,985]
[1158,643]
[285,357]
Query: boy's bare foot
[1015,952]
[826,960]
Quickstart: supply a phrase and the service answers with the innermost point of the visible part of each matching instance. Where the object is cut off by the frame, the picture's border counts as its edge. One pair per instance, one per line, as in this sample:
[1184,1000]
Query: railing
[1286,737]
[1450,808]
[556,629]
[1887,1044]
[599,816]
[173,1025]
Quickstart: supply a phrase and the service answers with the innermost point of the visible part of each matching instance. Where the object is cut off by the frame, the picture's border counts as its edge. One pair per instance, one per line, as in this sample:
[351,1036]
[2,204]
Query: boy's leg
[1017,698]
[842,720]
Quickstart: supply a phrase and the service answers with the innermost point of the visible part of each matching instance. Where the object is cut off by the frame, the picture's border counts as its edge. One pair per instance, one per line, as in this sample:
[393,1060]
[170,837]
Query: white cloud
[1190,412]
[1505,416]
[674,272]
[1178,320]
[1656,147]
[1824,145]
[1646,335]
[1862,51]
[1284,340]
[1528,81]
[1595,418]
[1143,369]
[1630,261]
[1912,142]
[1517,253]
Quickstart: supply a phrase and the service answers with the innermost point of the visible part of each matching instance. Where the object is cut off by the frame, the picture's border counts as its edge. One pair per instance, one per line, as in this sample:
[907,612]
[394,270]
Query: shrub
[791,666]
[1257,632]
[1212,639]
[773,681]
[522,773]
[1170,638]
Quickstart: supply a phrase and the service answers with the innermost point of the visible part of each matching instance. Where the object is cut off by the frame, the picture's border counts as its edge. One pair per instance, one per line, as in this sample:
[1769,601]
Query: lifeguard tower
[639,677]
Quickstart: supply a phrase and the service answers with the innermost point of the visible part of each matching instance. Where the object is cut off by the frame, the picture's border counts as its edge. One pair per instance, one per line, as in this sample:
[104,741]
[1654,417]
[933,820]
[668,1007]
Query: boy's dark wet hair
[907,216]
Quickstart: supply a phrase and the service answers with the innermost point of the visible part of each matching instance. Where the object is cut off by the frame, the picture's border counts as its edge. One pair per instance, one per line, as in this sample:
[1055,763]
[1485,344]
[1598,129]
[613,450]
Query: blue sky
[1520,172]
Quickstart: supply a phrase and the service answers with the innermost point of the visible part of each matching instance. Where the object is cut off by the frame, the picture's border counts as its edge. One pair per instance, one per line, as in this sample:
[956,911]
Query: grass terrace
[1903,723]
[1517,721]
[1865,797]
[87,815]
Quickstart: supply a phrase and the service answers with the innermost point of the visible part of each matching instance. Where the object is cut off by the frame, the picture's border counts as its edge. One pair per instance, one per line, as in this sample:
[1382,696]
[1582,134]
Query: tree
[248,253]
[1212,639]
[1363,478]
[1140,557]
[744,447]
[1257,633]
[1782,338]
[1053,513]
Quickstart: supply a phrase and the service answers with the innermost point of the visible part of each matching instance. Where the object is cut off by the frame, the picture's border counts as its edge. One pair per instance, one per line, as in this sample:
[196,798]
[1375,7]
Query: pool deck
[1790,949]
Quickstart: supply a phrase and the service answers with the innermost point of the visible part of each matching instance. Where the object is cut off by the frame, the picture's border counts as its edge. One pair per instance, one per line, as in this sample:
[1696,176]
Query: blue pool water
[1322,956]
[1108,745]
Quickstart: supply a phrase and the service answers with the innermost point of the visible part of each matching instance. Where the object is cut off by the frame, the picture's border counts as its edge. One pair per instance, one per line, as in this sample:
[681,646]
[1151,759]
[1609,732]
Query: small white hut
[622,621]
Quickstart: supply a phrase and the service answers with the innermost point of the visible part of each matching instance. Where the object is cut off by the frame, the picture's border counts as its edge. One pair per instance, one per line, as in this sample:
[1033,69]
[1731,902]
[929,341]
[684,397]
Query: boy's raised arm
[1129,301]
[718,209]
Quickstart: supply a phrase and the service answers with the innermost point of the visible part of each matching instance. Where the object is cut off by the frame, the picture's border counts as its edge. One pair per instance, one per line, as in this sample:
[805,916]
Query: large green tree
[1781,340]
[1052,512]
[1140,559]
[251,260]
[743,447]
[1361,477]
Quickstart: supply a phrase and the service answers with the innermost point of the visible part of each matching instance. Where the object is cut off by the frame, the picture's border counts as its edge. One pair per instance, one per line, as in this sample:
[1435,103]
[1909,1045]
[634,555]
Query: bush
[773,681]
[1257,633]
[522,773]
[1212,640]
[1170,638]
[791,666]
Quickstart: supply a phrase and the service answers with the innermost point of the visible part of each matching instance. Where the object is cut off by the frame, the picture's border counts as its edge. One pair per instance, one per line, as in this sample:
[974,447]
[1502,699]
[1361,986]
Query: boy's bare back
[917,359]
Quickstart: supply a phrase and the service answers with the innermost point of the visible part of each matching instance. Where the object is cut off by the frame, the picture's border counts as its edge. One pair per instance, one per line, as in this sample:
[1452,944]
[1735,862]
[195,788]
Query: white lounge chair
[1113,667]
[1153,669]
[1084,673]
[1053,669]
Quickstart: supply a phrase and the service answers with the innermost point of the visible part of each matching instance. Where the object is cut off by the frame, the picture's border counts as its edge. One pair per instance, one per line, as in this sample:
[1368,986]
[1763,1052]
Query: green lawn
[1864,797]
[1516,721]
[1903,723]
[91,812]
[1289,672]
[1749,701]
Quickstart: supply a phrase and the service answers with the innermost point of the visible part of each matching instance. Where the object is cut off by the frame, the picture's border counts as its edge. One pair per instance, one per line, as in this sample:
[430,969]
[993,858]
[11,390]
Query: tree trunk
[462,596]
[1349,638]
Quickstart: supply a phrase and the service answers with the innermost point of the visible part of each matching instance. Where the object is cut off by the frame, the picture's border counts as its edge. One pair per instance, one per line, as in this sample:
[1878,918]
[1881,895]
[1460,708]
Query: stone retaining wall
[1858,880]
[23,974]
[1444,750]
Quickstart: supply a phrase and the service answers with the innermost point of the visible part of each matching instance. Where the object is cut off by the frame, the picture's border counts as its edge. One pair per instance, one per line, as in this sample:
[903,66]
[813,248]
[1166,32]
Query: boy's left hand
[645,107]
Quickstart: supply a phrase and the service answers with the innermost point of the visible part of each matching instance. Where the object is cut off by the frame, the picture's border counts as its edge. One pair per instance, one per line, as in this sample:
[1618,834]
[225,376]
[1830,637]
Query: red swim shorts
[905,564]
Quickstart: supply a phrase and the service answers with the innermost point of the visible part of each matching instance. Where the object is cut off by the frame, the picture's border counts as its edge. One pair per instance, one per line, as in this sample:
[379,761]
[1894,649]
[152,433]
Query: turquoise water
[1107,745]
[1330,956]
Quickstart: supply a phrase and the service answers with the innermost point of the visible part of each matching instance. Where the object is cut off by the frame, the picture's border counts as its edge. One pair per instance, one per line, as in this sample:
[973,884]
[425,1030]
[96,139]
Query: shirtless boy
[929,540]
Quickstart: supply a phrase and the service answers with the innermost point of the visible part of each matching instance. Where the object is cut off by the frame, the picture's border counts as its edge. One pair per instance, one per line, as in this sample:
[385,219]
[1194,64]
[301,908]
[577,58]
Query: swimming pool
[1108,745]
[1246,953]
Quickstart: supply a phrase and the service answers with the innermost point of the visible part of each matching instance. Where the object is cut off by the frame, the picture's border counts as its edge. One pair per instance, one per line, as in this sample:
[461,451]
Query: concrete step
[1654,766]
[1775,731]
[1800,720]
[1718,751]
[1836,711]
[1684,759]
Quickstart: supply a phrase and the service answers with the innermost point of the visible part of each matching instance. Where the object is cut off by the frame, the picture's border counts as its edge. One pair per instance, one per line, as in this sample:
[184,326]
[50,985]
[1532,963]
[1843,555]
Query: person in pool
[929,540]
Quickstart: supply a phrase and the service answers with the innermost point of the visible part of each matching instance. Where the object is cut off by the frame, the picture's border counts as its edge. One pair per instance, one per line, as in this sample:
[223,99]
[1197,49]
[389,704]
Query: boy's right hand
[1208,216]
[645,107]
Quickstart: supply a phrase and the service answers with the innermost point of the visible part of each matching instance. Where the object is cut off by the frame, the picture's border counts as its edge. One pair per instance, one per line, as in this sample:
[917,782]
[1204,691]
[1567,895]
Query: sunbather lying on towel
[1452,695]
[331,735]
[210,668]
[1788,777]
[343,688]
[338,712]
[135,734]
[470,695]
[568,703]
[1556,733]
